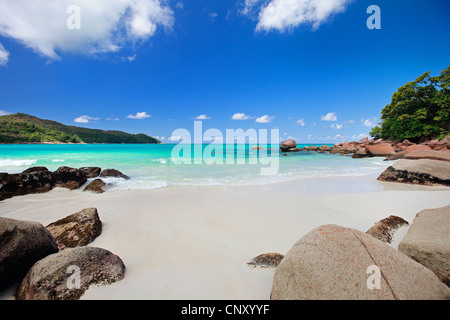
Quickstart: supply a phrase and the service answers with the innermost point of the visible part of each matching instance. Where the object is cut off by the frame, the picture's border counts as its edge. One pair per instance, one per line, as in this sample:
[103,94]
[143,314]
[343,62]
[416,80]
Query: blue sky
[317,77]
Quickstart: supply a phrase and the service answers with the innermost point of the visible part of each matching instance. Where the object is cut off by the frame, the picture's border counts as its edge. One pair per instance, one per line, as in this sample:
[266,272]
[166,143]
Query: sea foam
[17,163]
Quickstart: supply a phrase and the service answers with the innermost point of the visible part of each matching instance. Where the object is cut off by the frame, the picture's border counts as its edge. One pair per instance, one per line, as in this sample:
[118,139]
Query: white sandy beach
[194,243]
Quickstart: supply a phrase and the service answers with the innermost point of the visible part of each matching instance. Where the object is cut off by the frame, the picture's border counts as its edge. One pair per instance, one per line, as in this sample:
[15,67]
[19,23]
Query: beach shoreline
[194,242]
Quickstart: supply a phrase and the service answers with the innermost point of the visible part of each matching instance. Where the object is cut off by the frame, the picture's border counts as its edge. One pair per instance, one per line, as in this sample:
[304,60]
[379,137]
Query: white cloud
[372,122]
[84,119]
[283,15]
[4,56]
[250,6]
[240,116]
[139,116]
[329,117]
[264,119]
[300,122]
[4,113]
[106,26]
[213,15]
[202,117]
[131,58]
[337,126]
[112,119]
[175,138]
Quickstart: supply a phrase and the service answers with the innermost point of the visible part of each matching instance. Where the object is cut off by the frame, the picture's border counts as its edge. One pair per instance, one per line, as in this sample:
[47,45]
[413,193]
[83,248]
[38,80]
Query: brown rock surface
[92,172]
[78,229]
[416,147]
[70,178]
[384,229]
[113,173]
[96,186]
[288,144]
[361,153]
[53,278]
[442,155]
[266,260]
[380,150]
[34,181]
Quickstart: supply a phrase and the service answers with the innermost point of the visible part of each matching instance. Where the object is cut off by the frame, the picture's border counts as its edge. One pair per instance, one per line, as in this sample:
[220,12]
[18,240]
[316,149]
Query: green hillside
[23,128]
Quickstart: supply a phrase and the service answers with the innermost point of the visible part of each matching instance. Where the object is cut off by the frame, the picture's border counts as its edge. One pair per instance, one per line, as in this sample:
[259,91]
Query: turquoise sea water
[157,166]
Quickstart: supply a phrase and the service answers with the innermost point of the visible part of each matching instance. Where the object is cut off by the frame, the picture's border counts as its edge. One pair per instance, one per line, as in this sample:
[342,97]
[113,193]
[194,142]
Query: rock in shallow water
[92,172]
[96,186]
[68,274]
[442,155]
[380,150]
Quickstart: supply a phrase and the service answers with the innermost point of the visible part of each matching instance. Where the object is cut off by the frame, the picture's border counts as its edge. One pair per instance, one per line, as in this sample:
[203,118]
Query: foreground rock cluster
[336,263]
[40,180]
[54,262]
[427,163]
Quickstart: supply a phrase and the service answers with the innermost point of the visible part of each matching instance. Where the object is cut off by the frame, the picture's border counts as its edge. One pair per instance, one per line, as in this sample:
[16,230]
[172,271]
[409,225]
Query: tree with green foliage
[418,110]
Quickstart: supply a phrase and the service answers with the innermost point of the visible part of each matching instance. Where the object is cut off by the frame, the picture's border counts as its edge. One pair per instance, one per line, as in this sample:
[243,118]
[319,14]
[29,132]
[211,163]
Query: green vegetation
[23,128]
[419,110]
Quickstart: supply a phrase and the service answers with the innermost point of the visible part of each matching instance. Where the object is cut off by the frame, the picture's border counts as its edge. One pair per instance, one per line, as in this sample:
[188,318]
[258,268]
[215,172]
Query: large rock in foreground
[22,243]
[78,229]
[55,277]
[428,241]
[423,171]
[332,262]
